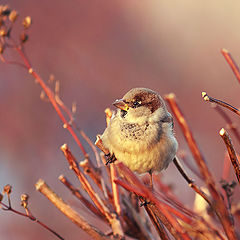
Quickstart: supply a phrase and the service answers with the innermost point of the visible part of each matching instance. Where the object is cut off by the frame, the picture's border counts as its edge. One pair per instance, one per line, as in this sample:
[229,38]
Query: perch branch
[157,222]
[141,190]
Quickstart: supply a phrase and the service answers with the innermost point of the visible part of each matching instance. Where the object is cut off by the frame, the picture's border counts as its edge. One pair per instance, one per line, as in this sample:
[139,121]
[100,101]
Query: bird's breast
[135,138]
[133,131]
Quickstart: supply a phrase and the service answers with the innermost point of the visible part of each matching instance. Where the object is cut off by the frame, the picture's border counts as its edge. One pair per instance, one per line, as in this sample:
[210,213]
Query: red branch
[219,206]
[232,154]
[138,188]
[31,217]
[51,97]
[231,63]
[86,185]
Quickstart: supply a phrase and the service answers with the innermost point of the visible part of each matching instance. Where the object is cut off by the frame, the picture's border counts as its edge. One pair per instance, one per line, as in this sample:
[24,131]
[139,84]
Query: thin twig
[99,144]
[182,156]
[231,63]
[207,98]
[98,178]
[42,187]
[190,181]
[111,218]
[168,196]
[230,125]
[91,145]
[231,151]
[78,194]
[73,123]
[115,190]
[156,222]
[31,217]
[95,174]
[104,161]
[135,224]
[86,185]
[12,62]
[91,171]
[165,222]
[49,93]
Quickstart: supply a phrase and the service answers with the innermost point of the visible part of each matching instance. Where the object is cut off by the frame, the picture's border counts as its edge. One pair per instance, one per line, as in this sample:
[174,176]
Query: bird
[140,134]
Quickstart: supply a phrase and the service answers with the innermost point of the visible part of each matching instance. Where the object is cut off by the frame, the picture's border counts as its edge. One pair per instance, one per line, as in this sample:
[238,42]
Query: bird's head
[141,104]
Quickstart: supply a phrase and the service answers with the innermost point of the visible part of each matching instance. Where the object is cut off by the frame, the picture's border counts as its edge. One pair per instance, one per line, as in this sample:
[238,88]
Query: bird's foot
[143,202]
[110,158]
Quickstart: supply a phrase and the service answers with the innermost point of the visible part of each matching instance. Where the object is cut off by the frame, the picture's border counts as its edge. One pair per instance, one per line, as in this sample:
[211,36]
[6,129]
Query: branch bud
[7,189]
[24,200]
[13,16]
[27,21]
[3,32]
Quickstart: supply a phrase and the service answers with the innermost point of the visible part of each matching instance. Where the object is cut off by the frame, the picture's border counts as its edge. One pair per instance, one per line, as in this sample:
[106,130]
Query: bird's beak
[120,103]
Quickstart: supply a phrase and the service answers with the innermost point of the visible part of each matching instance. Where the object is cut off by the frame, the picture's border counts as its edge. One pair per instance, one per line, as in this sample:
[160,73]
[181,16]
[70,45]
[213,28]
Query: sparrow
[140,134]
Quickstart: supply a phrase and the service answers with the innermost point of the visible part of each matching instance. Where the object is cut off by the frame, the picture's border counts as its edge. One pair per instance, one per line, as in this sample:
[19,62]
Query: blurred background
[98,50]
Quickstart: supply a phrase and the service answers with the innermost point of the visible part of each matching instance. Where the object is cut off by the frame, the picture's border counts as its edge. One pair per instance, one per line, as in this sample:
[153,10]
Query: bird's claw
[110,158]
[145,203]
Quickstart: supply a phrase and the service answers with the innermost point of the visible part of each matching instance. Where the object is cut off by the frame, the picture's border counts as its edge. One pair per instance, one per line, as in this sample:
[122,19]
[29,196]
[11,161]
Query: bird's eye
[136,104]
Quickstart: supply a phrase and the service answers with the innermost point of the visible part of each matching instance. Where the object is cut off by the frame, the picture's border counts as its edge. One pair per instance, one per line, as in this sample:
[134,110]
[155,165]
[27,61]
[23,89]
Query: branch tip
[224,50]
[30,70]
[222,132]
[170,96]
[61,177]
[205,96]
[64,147]
[39,184]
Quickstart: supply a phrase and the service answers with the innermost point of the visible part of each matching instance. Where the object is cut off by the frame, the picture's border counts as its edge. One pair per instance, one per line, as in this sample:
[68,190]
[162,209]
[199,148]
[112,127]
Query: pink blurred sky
[98,50]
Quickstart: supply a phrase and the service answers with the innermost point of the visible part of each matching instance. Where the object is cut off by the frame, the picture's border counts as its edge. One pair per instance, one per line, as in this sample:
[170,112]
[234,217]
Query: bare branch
[231,63]
[207,98]
[219,206]
[230,125]
[78,194]
[190,181]
[42,187]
